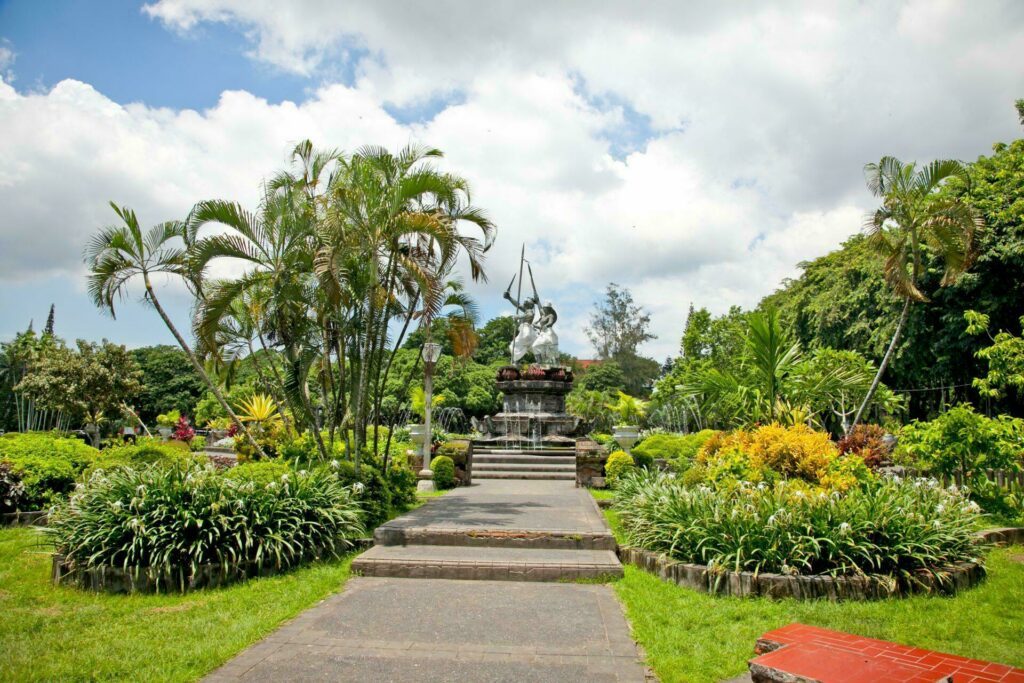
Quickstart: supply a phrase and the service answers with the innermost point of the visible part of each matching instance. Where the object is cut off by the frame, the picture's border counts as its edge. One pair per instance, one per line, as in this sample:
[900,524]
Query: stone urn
[626,436]
[165,432]
[418,433]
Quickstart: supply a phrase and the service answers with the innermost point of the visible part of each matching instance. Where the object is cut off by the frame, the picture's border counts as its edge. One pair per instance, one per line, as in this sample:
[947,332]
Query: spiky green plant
[172,520]
[893,528]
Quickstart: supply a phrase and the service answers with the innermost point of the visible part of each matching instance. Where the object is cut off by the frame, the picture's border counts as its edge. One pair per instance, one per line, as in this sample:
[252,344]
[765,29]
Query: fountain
[533,407]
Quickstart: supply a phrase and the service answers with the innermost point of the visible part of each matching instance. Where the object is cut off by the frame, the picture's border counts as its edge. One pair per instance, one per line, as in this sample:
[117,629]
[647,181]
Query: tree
[493,340]
[119,254]
[617,328]
[1005,358]
[914,215]
[604,376]
[618,325]
[92,384]
[48,330]
[169,382]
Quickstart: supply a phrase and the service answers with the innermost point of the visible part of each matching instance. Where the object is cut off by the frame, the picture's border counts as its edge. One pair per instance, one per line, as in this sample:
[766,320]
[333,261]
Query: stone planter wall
[30,518]
[1004,536]
[590,460]
[747,584]
[146,580]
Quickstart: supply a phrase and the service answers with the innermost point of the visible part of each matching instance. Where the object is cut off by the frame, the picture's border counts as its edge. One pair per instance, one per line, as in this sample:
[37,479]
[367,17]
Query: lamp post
[431,352]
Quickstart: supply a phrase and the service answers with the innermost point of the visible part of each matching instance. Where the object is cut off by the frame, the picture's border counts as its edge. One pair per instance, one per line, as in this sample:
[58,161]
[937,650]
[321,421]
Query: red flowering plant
[183,431]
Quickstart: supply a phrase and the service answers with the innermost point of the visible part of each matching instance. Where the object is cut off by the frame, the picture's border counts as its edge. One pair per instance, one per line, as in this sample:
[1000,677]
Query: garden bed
[947,580]
[115,580]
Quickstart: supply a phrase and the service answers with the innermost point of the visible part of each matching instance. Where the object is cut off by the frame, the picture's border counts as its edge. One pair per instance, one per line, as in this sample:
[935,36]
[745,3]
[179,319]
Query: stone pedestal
[533,409]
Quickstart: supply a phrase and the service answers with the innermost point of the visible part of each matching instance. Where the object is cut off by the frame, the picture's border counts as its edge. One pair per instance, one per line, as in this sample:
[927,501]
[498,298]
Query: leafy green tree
[92,383]
[618,326]
[606,376]
[169,382]
[1005,358]
[494,338]
[914,214]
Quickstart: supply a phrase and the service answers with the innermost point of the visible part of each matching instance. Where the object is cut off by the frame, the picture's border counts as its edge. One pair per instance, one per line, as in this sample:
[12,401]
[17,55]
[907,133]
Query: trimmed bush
[260,473]
[679,450]
[175,519]
[47,464]
[444,472]
[197,444]
[618,464]
[402,481]
[890,527]
[458,451]
[144,452]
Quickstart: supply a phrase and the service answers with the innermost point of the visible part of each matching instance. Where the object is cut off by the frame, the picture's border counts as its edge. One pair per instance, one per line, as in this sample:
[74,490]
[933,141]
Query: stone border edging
[26,518]
[748,584]
[109,579]
[1010,535]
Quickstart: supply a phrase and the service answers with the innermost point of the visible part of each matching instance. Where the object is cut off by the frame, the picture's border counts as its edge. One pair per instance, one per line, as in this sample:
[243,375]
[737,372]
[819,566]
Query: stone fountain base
[533,411]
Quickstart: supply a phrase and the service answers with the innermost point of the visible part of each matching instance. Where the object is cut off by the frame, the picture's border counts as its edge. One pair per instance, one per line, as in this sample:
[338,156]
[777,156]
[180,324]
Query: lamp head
[431,352]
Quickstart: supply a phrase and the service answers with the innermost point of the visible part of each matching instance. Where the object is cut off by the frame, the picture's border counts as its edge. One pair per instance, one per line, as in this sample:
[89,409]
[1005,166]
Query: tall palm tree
[391,221]
[118,254]
[915,216]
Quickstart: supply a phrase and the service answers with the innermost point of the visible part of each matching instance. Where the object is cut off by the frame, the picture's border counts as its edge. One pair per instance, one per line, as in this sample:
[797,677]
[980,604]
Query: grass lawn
[691,636]
[52,633]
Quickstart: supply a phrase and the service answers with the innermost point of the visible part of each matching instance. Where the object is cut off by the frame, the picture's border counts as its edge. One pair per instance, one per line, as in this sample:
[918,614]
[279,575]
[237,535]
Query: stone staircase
[548,463]
[451,537]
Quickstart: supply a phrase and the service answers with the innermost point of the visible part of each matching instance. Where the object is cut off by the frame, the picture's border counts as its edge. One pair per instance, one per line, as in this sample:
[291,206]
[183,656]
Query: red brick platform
[807,654]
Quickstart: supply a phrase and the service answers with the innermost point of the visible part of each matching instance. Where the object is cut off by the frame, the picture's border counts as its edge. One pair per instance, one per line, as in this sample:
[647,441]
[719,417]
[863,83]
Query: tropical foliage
[173,520]
[892,528]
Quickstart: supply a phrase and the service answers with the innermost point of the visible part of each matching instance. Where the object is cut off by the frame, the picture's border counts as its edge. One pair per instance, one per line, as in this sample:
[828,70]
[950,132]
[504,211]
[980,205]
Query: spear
[519,294]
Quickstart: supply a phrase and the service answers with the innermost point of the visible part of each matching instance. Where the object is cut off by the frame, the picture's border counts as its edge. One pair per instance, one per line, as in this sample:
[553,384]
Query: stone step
[478,537]
[482,458]
[521,467]
[477,450]
[489,564]
[523,475]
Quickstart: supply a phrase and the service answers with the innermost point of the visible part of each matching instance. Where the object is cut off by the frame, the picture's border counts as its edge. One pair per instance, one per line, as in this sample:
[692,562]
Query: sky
[692,152]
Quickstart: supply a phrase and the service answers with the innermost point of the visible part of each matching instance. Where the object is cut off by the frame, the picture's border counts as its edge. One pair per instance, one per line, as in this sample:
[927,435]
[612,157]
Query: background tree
[169,382]
[90,383]
[618,326]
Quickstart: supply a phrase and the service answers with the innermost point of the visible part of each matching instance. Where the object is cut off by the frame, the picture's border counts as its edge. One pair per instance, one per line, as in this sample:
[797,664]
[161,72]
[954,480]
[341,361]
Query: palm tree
[391,223]
[915,216]
[118,254]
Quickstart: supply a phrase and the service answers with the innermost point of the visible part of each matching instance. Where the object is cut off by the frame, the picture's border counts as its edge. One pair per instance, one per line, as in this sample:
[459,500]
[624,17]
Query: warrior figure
[525,333]
[545,346]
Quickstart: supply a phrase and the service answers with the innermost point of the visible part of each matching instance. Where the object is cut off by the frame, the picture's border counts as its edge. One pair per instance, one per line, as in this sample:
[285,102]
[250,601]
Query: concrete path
[451,629]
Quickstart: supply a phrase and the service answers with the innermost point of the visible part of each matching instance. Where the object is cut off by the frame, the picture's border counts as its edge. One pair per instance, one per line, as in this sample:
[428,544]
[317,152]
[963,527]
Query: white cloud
[760,121]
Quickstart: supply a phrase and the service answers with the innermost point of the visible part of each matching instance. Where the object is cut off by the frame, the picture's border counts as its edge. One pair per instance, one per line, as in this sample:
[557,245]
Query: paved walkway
[448,629]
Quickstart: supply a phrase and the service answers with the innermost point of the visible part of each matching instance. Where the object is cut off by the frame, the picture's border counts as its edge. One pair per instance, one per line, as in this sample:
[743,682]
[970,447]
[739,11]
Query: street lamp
[431,352]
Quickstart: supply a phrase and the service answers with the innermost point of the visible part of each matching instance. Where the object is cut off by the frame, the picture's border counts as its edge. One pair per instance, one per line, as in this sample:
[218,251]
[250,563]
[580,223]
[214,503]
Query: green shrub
[197,444]
[47,464]
[679,450]
[890,527]
[961,441]
[260,473]
[444,472]
[144,452]
[177,518]
[371,490]
[456,450]
[402,481]
[618,464]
